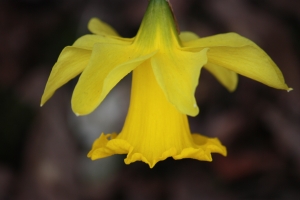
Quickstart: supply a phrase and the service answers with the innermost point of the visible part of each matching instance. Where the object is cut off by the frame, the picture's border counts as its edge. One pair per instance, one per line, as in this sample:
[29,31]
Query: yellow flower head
[166,67]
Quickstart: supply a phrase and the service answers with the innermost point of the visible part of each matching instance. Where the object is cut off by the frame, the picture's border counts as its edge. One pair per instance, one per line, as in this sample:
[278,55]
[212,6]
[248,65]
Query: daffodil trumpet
[166,67]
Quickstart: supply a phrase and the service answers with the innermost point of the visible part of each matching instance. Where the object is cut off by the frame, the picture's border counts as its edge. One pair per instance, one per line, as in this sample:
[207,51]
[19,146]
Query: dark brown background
[43,150]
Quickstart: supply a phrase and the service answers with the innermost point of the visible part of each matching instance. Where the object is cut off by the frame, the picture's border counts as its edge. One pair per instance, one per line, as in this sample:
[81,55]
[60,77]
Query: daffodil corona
[166,67]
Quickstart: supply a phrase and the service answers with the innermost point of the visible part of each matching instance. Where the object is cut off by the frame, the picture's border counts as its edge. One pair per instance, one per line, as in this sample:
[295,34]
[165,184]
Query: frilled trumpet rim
[154,129]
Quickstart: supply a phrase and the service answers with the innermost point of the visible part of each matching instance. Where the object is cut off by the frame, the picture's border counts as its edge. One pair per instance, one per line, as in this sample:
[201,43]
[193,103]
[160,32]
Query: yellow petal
[211,145]
[88,41]
[154,129]
[187,36]
[249,61]
[226,39]
[227,78]
[70,63]
[240,55]
[99,27]
[177,72]
[101,141]
[108,64]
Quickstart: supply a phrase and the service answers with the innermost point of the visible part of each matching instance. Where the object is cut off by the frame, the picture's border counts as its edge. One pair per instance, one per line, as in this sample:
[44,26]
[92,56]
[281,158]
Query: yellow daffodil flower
[166,67]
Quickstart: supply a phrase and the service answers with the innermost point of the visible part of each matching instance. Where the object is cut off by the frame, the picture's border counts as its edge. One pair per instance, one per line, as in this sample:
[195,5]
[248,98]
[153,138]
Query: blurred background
[43,150]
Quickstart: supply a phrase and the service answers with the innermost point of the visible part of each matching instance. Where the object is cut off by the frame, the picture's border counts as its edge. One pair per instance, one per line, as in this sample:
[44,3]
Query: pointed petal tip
[224,152]
[194,112]
[289,89]
[43,100]
[232,89]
